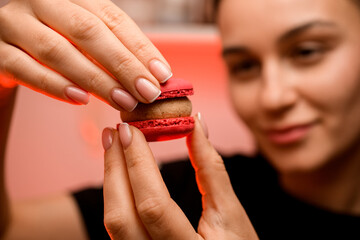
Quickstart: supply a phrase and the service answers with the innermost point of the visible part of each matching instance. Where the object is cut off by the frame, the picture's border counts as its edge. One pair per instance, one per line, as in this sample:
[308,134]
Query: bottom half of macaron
[162,120]
[165,129]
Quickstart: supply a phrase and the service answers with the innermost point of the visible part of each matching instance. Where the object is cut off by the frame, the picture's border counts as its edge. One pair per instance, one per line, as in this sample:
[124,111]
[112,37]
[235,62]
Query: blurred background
[55,146]
[159,12]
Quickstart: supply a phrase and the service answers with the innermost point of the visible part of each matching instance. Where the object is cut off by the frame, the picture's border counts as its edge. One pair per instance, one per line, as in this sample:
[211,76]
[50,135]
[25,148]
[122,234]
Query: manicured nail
[160,71]
[148,90]
[203,124]
[124,99]
[107,138]
[78,95]
[125,135]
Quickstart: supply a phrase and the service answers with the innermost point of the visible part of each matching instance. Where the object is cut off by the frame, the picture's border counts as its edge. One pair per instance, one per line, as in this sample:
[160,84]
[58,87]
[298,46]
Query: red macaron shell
[165,129]
[176,87]
[168,128]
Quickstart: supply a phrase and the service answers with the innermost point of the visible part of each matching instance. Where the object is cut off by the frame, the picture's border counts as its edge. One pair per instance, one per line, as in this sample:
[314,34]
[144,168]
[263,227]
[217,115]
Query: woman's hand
[69,48]
[138,205]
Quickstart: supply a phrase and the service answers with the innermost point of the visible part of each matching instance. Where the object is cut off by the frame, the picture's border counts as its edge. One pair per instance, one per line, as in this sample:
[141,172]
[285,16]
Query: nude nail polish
[107,138]
[125,135]
[124,99]
[203,124]
[160,71]
[77,95]
[148,90]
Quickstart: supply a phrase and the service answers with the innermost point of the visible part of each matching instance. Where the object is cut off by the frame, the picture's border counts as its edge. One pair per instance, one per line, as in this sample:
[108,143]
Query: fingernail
[107,138]
[203,124]
[125,134]
[124,99]
[160,70]
[148,90]
[78,95]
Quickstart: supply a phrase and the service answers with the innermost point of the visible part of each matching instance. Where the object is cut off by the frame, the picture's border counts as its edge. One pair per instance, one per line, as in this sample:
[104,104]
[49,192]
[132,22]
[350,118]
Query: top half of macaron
[174,88]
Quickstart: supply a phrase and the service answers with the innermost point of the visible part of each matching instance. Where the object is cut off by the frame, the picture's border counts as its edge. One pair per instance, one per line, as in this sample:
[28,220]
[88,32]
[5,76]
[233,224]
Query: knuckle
[110,164]
[122,64]
[215,218]
[43,82]
[2,16]
[5,14]
[108,168]
[83,26]
[218,162]
[135,161]
[113,17]
[50,48]
[152,210]
[5,23]
[143,49]
[10,10]
[94,81]
[217,167]
[209,168]
[9,63]
[115,223]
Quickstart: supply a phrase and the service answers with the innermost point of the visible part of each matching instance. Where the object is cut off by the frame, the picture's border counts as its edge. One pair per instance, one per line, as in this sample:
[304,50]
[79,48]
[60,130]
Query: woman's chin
[296,159]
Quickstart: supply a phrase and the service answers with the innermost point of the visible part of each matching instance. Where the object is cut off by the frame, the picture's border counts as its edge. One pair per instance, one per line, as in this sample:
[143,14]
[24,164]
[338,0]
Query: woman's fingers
[135,40]
[92,35]
[213,180]
[92,44]
[15,62]
[137,203]
[120,216]
[134,187]
[223,214]
[38,77]
[60,55]
[160,215]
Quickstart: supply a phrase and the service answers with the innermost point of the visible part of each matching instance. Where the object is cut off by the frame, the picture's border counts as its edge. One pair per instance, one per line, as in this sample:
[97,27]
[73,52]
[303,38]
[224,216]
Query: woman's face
[294,69]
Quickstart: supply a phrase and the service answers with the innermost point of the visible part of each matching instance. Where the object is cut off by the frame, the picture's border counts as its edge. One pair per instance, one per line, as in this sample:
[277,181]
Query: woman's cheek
[243,100]
[334,87]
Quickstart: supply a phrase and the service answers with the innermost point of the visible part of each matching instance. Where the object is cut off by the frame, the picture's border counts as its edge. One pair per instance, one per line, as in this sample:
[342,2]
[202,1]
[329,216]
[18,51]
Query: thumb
[211,176]
[220,204]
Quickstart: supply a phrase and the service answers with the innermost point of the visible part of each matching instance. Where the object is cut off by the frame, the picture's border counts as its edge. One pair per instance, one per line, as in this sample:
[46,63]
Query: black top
[273,213]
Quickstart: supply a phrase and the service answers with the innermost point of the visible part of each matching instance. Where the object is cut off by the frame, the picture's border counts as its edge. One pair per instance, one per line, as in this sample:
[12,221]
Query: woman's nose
[278,89]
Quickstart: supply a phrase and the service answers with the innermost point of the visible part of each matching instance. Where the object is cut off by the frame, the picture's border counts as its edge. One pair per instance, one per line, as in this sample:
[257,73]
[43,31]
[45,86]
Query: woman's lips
[288,135]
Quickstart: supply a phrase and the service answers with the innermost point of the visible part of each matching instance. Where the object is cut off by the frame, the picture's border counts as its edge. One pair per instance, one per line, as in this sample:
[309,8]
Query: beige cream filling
[167,108]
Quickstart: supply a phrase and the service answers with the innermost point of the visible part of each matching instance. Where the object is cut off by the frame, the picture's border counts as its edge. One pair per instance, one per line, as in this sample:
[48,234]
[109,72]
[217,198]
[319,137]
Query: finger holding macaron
[69,49]
[139,206]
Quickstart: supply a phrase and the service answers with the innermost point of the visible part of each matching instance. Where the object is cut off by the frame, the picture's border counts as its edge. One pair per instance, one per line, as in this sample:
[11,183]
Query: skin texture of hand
[138,205]
[70,48]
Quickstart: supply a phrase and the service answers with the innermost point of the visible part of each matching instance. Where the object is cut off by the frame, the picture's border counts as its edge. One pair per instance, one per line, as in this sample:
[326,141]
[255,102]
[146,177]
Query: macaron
[168,117]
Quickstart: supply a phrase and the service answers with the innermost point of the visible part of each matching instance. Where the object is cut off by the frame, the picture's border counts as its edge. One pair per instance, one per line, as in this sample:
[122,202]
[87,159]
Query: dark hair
[357,2]
[215,10]
[216,5]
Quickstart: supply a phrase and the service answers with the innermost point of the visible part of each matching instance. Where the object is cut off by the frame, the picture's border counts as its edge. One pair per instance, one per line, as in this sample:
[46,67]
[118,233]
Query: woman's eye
[245,69]
[308,53]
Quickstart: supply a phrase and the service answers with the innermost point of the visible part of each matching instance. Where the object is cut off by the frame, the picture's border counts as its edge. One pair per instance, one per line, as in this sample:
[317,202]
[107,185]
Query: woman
[294,71]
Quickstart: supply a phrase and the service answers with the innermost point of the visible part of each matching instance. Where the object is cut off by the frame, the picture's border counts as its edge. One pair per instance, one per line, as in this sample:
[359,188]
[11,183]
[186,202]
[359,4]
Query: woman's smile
[289,134]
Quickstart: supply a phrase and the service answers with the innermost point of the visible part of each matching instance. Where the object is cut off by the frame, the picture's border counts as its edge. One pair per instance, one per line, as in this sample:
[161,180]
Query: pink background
[56,147]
